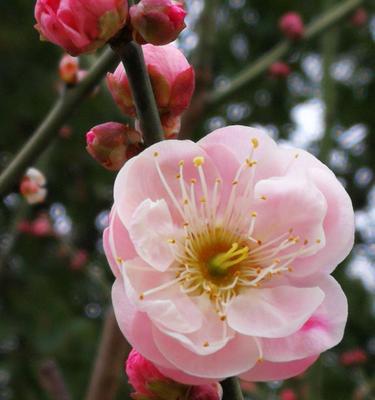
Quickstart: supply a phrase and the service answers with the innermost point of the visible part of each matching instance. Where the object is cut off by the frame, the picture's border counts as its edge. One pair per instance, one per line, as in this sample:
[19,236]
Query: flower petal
[273,312]
[155,293]
[149,228]
[323,330]
[237,356]
[270,371]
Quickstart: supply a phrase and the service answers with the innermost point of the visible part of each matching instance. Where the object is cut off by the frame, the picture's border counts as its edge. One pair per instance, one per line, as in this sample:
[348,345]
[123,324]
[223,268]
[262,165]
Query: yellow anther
[141,296]
[218,180]
[250,163]
[186,201]
[198,161]
[172,241]
[259,242]
[223,318]
[156,154]
[263,197]
[186,223]
[206,344]
[305,242]
[235,182]
[296,155]
[119,260]
[318,241]
[178,176]
[202,200]
[193,181]
[276,261]
[254,214]
[255,142]
[181,163]
[260,360]
[290,269]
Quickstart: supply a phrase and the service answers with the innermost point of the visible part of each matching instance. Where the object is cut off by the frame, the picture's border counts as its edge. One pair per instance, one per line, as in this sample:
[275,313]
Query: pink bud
[65,131]
[291,25]
[41,227]
[68,69]
[79,259]
[172,80]
[80,26]
[24,227]
[111,144]
[157,22]
[279,69]
[359,18]
[206,392]
[32,186]
[353,357]
[171,126]
[288,394]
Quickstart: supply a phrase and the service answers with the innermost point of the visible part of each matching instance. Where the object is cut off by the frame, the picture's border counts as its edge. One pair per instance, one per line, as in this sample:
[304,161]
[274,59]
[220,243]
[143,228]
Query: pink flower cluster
[222,252]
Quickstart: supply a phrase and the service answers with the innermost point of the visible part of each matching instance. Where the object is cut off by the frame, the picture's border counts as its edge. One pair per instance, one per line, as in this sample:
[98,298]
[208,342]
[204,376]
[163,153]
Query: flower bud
[32,186]
[359,18]
[172,80]
[288,394]
[150,384]
[111,144]
[80,26]
[41,226]
[279,69]
[68,69]
[78,260]
[291,25]
[353,357]
[157,22]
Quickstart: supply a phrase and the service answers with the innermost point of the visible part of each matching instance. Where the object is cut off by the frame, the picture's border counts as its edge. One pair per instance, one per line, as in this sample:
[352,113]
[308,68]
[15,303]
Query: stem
[231,389]
[132,58]
[113,350]
[52,382]
[255,69]
[57,116]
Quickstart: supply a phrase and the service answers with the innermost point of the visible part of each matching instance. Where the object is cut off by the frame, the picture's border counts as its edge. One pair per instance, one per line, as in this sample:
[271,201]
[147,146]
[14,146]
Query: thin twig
[113,350]
[231,389]
[51,380]
[48,129]
[255,69]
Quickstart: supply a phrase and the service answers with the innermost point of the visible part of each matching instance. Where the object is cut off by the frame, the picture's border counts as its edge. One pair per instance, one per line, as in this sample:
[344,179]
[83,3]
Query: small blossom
[291,25]
[80,26]
[112,143]
[79,259]
[353,357]
[68,69]
[172,80]
[150,384]
[280,70]
[222,254]
[32,186]
[41,226]
[359,18]
[288,394]
[157,22]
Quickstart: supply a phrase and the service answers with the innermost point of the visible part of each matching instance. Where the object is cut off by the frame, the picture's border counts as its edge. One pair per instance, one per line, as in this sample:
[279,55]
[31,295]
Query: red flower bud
[68,69]
[291,25]
[157,22]
[359,18]
[353,357]
[279,69]
[288,394]
[111,144]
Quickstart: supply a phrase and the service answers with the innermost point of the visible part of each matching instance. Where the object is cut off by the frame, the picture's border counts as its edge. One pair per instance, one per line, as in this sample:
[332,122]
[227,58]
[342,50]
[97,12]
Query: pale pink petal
[150,228]
[237,356]
[270,371]
[290,205]
[108,252]
[273,312]
[323,330]
[179,376]
[139,179]
[168,306]
[238,139]
[338,223]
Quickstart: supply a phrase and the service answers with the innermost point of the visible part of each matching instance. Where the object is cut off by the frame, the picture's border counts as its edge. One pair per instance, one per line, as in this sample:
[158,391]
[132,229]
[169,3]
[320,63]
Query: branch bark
[60,112]
[51,380]
[231,389]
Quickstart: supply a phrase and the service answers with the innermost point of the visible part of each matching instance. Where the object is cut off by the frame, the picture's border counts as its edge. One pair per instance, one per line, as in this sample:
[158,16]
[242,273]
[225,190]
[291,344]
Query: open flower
[222,252]
[80,26]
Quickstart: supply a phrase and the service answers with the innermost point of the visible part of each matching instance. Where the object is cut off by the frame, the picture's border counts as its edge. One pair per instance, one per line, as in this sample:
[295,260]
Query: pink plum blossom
[292,26]
[32,186]
[80,26]
[68,69]
[172,80]
[157,22]
[222,252]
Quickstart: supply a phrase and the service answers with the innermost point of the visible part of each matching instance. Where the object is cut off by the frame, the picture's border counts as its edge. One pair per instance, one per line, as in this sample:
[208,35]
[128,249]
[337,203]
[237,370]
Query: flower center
[221,263]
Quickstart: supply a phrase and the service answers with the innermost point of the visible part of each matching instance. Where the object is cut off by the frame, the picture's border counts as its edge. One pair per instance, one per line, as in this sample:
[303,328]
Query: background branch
[58,115]
[51,380]
[231,389]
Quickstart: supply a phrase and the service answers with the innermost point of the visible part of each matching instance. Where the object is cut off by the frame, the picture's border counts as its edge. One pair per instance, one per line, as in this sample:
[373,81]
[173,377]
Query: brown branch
[51,380]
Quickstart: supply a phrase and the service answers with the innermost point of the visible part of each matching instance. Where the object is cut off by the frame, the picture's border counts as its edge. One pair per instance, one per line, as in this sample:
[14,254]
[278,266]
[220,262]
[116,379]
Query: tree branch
[112,352]
[57,116]
[231,389]
[52,382]
[255,69]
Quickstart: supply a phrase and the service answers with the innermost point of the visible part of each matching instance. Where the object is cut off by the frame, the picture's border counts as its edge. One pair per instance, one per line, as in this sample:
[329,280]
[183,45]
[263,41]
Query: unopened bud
[32,186]
[291,25]
[112,143]
[79,259]
[80,26]
[359,18]
[68,69]
[353,357]
[279,69]
[157,22]
[288,394]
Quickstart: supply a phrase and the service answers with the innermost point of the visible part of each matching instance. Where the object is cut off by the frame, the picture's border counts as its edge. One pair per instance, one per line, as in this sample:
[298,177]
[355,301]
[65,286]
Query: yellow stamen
[219,264]
[198,161]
